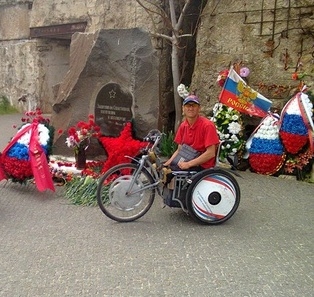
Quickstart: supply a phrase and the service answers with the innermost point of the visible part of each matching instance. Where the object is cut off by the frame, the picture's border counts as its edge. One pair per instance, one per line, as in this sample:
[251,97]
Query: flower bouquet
[229,126]
[79,137]
[26,155]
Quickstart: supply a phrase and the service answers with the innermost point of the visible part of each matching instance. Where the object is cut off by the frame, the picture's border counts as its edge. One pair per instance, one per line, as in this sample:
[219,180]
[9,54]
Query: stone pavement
[52,248]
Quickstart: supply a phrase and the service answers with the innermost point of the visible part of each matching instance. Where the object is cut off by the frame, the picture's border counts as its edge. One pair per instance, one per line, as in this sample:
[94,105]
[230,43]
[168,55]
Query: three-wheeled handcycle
[127,191]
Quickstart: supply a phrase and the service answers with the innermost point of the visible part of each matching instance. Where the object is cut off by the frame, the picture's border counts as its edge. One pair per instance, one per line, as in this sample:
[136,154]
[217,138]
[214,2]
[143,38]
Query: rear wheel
[123,198]
[213,196]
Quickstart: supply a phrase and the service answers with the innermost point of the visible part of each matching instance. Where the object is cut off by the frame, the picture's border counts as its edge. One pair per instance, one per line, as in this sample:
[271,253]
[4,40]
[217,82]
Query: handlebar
[153,138]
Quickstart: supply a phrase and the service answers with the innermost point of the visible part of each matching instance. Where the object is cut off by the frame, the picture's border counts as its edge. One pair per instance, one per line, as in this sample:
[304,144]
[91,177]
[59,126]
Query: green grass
[6,107]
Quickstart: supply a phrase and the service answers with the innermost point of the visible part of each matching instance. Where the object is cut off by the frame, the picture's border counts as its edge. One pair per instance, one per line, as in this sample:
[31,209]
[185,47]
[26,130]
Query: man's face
[191,110]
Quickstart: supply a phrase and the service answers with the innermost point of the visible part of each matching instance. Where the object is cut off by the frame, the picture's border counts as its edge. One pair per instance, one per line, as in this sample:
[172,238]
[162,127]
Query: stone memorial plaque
[113,108]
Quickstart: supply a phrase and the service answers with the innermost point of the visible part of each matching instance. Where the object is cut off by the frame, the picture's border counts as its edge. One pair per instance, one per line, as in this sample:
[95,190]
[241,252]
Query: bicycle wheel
[113,197]
[213,196]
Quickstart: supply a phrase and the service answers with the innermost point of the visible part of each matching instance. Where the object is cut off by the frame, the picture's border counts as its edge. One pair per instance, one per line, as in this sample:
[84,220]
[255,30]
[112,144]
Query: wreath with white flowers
[266,152]
[229,126]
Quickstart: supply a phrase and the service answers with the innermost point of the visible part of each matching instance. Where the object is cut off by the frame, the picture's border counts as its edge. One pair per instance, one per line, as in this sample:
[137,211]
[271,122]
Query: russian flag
[238,95]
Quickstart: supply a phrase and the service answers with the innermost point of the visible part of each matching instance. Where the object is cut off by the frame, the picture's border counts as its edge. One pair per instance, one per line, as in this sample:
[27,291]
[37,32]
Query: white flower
[227,136]
[293,107]
[235,117]
[43,135]
[234,138]
[25,138]
[234,127]
[308,105]
[182,91]
[216,108]
[70,141]
[268,129]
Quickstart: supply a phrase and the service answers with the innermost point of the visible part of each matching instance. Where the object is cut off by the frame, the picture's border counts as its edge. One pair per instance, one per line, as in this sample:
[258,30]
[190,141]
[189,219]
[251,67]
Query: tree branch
[182,15]
[150,12]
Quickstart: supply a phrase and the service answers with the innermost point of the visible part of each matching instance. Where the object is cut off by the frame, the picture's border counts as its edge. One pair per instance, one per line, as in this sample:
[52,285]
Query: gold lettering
[236,104]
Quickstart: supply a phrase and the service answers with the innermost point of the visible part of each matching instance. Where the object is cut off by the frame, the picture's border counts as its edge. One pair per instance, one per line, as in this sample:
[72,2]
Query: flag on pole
[238,95]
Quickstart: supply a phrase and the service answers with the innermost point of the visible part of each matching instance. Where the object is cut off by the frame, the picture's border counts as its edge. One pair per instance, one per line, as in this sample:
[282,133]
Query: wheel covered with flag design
[213,196]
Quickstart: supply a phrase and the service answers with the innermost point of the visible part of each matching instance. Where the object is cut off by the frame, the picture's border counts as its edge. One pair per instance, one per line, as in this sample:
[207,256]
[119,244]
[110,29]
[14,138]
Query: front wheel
[121,196]
[213,196]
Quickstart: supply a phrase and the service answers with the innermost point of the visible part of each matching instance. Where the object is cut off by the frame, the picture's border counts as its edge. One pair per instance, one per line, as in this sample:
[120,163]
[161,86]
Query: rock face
[272,38]
[114,75]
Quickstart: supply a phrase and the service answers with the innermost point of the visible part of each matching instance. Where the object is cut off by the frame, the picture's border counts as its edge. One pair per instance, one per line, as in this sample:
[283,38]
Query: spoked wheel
[213,196]
[121,197]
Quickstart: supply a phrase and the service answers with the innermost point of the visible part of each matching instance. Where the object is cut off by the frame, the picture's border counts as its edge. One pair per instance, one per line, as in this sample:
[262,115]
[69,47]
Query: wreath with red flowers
[15,160]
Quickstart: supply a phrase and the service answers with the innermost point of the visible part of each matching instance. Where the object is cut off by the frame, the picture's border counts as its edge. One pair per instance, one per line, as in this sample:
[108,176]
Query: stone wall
[109,14]
[33,68]
[271,41]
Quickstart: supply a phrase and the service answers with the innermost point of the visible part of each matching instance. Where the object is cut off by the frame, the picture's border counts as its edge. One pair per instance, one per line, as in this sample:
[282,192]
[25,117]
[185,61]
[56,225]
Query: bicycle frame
[153,171]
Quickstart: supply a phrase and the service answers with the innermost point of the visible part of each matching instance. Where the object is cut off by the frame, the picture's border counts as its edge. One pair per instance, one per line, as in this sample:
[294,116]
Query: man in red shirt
[198,132]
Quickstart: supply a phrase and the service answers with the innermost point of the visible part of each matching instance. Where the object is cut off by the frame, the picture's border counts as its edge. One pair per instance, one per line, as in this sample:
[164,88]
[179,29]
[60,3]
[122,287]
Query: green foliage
[82,190]
[5,106]
[50,141]
[167,144]
[311,95]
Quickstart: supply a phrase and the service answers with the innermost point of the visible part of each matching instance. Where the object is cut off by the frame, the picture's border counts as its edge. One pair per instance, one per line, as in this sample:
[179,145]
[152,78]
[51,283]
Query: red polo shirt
[200,136]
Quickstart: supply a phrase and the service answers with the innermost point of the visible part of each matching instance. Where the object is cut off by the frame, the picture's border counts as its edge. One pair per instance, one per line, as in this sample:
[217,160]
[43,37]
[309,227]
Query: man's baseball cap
[191,99]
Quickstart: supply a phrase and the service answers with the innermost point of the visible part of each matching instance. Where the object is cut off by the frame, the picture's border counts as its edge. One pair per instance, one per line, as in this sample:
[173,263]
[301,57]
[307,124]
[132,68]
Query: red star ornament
[119,147]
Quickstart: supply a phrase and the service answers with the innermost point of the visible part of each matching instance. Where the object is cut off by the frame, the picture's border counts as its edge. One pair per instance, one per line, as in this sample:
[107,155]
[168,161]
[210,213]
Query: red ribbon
[39,163]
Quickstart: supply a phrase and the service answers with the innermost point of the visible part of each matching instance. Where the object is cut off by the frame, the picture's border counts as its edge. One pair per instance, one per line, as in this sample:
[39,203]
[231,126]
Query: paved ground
[52,248]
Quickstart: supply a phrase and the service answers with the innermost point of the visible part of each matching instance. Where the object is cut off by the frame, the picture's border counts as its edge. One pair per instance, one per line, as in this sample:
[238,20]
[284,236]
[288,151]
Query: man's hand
[184,165]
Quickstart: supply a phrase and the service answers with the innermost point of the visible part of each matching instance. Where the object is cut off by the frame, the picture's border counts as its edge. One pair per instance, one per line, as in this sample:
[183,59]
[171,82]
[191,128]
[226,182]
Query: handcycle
[127,191]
